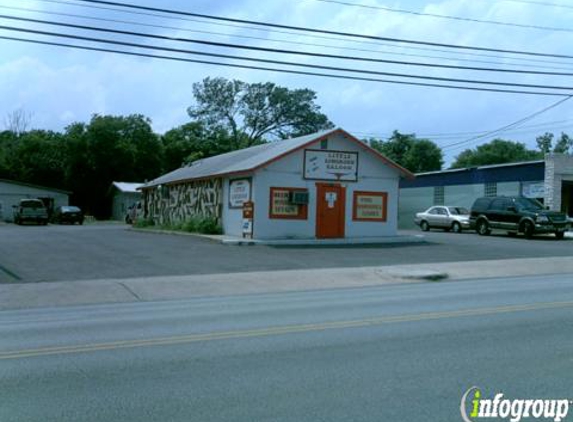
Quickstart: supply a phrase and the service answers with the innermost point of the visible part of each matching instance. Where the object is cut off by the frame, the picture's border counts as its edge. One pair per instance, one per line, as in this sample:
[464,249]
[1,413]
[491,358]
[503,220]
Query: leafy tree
[110,148]
[192,141]
[7,142]
[498,151]
[38,157]
[562,146]
[417,155]
[253,112]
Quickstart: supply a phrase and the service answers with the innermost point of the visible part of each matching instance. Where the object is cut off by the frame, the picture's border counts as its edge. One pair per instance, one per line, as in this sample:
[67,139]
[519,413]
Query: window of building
[439,195]
[490,189]
[369,206]
[280,205]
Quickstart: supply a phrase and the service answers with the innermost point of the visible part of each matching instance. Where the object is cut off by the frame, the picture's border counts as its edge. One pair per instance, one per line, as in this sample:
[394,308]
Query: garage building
[549,181]
[11,192]
[324,185]
[124,195]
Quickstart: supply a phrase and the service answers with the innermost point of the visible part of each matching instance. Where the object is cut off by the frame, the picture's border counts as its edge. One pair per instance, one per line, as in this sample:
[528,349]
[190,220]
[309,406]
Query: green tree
[110,148]
[7,143]
[562,146]
[192,141]
[498,151]
[254,112]
[38,157]
[415,154]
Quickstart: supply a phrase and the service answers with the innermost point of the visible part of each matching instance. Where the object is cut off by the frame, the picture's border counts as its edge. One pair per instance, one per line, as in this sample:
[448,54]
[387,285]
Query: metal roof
[127,187]
[30,185]
[250,159]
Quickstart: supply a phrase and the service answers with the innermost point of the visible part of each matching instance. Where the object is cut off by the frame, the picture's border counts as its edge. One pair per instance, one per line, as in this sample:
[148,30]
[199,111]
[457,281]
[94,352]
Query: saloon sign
[331,165]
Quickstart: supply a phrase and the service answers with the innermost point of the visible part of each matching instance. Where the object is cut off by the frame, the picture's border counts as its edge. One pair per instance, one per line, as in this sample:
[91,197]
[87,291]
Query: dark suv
[516,215]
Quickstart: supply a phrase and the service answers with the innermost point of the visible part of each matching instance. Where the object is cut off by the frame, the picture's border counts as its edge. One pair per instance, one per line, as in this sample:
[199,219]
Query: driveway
[58,253]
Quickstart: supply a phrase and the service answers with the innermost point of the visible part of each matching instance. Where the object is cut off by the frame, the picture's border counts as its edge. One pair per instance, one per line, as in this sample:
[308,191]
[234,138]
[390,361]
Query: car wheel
[482,228]
[527,229]
[424,226]
[559,235]
[456,227]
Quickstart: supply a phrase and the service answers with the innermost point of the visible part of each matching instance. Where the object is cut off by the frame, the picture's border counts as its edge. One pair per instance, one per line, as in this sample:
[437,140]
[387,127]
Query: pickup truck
[30,210]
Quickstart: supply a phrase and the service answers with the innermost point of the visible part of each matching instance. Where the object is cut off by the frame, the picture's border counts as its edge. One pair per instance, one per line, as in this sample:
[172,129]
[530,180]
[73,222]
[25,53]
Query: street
[391,353]
[71,253]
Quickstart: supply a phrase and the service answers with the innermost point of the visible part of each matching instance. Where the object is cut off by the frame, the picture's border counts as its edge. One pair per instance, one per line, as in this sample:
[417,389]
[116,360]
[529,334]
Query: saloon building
[325,185]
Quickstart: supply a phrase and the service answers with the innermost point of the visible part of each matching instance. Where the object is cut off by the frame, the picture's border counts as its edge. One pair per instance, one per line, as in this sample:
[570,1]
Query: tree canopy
[498,151]
[415,154]
[563,145]
[253,112]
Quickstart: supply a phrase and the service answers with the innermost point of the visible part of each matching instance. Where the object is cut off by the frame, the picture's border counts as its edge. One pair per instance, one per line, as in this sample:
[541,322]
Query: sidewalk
[17,296]
[235,240]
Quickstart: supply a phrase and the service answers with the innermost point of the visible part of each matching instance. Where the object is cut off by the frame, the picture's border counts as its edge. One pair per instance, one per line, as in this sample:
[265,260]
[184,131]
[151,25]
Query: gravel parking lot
[57,253]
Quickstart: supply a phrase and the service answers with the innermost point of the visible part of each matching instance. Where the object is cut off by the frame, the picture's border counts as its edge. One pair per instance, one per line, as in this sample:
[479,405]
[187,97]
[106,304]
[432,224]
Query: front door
[330,203]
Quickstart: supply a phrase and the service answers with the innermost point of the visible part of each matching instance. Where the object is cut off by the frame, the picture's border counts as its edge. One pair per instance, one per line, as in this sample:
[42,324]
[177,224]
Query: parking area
[99,251]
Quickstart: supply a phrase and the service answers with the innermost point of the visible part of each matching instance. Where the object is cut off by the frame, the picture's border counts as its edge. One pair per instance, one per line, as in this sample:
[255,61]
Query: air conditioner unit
[298,197]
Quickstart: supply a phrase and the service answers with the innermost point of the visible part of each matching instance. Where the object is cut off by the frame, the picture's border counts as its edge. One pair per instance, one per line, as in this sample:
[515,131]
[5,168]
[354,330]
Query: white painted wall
[509,188]
[373,175]
[413,200]
[11,193]
[122,201]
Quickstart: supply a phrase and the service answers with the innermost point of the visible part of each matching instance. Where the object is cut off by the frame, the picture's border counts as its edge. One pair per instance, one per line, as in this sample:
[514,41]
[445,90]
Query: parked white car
[444,217]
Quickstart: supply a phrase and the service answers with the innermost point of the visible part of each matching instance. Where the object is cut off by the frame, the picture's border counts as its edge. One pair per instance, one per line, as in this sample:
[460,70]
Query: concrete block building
[325,185]
[549,181]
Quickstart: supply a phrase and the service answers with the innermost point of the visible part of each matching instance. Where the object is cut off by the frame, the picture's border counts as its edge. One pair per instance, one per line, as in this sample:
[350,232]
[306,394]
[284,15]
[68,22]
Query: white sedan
[444,217]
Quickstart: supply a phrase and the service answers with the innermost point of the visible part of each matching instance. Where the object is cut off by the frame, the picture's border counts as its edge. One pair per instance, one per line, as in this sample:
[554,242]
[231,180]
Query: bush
[204,225]
[144,222]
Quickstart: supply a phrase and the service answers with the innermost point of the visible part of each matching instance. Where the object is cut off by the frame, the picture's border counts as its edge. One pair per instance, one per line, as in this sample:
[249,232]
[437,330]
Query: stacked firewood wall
[170,204]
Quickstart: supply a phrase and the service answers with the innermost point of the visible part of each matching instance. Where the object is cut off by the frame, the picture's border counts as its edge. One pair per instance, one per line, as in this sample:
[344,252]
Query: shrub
[143,222]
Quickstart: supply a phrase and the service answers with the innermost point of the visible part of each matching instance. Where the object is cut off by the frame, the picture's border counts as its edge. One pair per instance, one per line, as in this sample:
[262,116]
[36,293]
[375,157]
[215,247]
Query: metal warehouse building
[325,185]
[11,192]
[549,180]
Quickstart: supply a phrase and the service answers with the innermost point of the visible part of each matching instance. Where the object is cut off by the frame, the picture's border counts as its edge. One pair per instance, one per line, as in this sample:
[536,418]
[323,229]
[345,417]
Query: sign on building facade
[331,165]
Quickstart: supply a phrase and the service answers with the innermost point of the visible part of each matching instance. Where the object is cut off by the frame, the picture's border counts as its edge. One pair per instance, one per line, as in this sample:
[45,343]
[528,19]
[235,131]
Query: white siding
[11,193]
[373,175]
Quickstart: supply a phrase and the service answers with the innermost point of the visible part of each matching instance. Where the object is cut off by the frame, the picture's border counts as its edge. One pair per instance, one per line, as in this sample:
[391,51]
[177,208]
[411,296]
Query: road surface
[392,353]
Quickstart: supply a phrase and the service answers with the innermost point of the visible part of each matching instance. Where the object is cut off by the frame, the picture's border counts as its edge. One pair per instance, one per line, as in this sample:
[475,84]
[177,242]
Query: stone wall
[558,167]
[168,204]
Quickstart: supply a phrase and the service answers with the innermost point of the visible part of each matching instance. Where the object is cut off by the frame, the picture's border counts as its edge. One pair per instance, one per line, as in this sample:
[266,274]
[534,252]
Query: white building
[325,185]
[11,192]
[124,195]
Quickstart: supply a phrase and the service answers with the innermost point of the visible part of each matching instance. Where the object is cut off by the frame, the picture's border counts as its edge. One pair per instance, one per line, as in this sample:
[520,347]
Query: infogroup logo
[512,409]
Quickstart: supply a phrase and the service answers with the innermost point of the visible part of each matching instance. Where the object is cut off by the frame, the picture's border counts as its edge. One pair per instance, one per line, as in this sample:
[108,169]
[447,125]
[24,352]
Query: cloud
[60,85]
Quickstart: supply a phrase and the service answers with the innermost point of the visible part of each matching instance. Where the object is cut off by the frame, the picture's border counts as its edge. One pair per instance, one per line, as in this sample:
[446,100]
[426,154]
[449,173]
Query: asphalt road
[60,253]
[399,353]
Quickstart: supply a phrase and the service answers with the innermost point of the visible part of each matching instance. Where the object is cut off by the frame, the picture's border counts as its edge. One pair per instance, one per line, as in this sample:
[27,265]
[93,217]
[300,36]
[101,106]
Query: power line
[280,62]
[310,35]
[442,137]
[541,3]
[449,17]
[293,52]
[290,71]
[250,37]
[320,31]
[455,145]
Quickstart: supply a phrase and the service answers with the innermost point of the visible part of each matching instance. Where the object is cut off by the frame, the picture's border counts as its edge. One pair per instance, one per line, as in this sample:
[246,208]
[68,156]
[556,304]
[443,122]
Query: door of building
[330,203]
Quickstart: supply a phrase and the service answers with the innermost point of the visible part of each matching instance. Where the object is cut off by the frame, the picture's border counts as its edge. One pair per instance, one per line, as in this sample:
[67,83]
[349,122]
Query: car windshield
[31,204]
[458,211]
[70,209]
[529,204]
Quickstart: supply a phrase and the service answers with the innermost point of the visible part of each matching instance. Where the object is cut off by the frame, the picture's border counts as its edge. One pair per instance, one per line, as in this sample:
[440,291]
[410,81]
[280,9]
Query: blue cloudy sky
[59,85]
